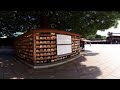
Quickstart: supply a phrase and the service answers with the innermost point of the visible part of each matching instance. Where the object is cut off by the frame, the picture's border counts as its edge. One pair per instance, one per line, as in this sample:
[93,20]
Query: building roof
[115,34]
[85,40]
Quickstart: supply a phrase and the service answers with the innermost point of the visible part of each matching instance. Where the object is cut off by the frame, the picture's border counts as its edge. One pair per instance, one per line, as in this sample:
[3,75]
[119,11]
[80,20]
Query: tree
[98,37]
[109,38]
[87,23]
[81,22]
[91,37]
[104,38]
[110,34]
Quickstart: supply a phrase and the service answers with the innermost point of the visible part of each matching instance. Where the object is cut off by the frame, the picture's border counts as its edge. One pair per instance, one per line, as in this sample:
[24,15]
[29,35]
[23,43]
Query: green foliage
[91,37]
[104,38]
[81,22]
[96,37]
[110,34]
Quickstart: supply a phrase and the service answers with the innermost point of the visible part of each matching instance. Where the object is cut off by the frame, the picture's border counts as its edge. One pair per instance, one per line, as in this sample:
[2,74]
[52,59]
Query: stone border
[53,64]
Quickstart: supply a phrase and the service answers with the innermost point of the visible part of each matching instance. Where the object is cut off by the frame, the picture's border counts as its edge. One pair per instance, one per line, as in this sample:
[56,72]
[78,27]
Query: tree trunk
[44,22]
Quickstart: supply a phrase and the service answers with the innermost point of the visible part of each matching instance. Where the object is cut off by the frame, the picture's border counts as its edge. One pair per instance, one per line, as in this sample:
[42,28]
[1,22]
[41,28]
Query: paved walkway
[98,62]
[106,58]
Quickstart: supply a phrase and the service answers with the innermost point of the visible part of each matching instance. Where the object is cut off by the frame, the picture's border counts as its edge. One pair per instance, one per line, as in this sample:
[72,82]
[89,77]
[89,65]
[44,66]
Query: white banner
[63,39]
[64,49]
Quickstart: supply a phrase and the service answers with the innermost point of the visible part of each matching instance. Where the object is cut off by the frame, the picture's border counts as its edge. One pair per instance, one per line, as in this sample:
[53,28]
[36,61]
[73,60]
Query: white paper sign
[64,49]
[63,39]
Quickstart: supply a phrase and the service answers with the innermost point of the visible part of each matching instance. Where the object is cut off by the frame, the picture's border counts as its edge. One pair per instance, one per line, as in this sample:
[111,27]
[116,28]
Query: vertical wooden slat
[56,46]
[34,48]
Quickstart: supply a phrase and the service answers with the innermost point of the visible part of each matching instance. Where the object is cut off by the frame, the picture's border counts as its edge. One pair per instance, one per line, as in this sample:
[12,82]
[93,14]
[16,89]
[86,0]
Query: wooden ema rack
[40,46]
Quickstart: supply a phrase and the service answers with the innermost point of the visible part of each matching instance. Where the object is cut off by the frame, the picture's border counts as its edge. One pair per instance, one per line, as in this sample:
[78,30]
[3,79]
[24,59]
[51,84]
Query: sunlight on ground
[107,60]
[105,51]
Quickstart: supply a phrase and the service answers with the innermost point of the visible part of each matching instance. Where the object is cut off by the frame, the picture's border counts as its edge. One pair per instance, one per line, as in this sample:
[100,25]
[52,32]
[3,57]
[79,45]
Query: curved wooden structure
[47,46]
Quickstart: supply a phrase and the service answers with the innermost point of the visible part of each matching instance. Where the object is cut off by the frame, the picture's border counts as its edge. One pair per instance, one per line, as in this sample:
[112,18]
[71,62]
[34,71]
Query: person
[83,45]
[90,43]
